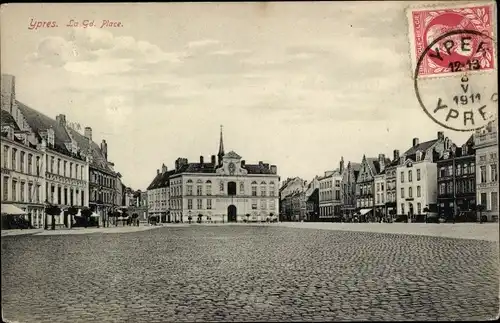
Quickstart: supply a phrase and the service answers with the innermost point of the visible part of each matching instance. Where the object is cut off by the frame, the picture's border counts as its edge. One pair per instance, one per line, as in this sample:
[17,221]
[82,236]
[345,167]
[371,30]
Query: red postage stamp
[437,54]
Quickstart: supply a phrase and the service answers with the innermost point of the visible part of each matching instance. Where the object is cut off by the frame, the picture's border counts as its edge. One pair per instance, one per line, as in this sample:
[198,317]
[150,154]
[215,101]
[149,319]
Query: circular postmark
[463,100]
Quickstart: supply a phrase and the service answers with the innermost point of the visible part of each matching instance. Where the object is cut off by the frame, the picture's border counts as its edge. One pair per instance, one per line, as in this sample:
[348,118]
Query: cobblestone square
[247,273]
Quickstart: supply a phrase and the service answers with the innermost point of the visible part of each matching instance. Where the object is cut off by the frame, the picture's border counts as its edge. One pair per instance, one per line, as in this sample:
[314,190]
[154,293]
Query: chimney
[274,169]
[341,166]
[9,93]
[61,119]
[201,160]
[381,161]
[243,163]
[104,149]
[88,133]
[415,142]
[163,169]
[396,154]
[213,159]
[440,135]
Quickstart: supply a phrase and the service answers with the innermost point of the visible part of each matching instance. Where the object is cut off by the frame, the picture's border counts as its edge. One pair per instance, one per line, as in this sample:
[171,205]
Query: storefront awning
[12,210]
[364,211]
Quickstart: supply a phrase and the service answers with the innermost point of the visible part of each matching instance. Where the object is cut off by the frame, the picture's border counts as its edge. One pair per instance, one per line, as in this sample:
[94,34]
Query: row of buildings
[435,176]
[222,189]
[46,161]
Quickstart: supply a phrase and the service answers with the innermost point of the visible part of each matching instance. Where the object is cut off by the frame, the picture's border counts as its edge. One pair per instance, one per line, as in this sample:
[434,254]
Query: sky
[295,84]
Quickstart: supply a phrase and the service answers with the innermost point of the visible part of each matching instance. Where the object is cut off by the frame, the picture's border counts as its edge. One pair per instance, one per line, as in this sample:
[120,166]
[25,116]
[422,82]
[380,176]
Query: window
[419,208]
[263,204]
[418,174]
[418,191]
[263,189]
[458,170]
[14,159]
[272,205]
[37,194]
[442,172]
[410,192]
[30,163]
[190,204]
[14,189]
[272,188]
[22,161]
[337,183]
[382,186]
[209,204]
[337,194]
[254,188]
[450,170]
[493,173]
[189,187]
[199,203]
[58,166]
[483,174]
[64,169]
[378,187]
[484,202]
[5,188]
[402,192]
[231,188]
[5,156]
[71,201]
[209,187]
[402,177]
[70,169]
[494,201]
[410,177]
[199,189]
[38,166]
[30,192]
[22,190]
[52,165]
[472,168]
[65,196]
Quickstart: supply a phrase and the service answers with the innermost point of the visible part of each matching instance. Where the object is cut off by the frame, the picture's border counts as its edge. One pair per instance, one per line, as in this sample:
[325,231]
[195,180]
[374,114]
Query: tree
[53,210]
[86,214]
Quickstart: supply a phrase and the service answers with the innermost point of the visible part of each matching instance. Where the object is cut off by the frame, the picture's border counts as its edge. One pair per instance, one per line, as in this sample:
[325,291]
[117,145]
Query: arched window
[263,188]
[254,188]
[242,188]
[272,188]
[209,187]
[199,187]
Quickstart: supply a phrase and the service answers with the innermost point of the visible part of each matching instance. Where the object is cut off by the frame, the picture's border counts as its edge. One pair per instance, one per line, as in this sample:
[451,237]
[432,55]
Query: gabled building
[365,186]
[456,180]
[486,145]
[348,193]
[329,194]
[416,177]
[390,186]
[312,200]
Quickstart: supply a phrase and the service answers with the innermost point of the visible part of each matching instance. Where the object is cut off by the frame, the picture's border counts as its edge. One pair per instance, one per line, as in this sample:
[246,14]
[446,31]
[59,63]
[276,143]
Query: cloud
[202,43]
[96,52]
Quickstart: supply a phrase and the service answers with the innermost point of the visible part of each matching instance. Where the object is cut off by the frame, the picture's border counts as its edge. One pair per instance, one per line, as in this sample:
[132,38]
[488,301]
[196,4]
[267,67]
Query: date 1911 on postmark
[454,65]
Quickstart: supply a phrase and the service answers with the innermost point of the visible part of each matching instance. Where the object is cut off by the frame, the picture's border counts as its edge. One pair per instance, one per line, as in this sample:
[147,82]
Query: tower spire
[221,147]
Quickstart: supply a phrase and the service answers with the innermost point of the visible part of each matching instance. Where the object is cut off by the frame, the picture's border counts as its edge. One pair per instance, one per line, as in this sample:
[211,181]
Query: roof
[98,159]
[161,180]
[8,119]
[422,147]
[375,164]
[356,167]
[232,154]
[40,122]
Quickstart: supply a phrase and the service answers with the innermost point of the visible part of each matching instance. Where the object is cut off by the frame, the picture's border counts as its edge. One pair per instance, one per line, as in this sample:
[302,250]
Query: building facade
[290,191]
[365,186]
[158,195]
[456,178]
[486,145]
[329,194]
[348,192]
[416,177]
[22,172]
[227,191]
[391,191]
[379,183]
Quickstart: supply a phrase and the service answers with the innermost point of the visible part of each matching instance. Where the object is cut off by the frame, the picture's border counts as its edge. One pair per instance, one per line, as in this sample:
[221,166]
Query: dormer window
[419,156]
[50,137]
[9,131]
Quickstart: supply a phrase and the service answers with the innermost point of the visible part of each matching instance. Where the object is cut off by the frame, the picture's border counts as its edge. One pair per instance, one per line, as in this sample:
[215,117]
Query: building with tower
[223,190]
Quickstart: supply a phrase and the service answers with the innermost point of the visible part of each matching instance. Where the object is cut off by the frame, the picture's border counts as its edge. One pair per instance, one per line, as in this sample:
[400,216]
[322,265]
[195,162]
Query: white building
[227,191]
[379,182]
[158,192]
[416,176]
[22,173]
[486,144]
[329,194]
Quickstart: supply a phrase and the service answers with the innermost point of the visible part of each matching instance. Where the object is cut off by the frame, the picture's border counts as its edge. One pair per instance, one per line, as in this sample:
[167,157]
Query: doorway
[231,213]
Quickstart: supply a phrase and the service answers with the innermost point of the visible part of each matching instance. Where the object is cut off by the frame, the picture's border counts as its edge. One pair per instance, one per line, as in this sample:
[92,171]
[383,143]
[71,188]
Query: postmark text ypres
[35,24]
